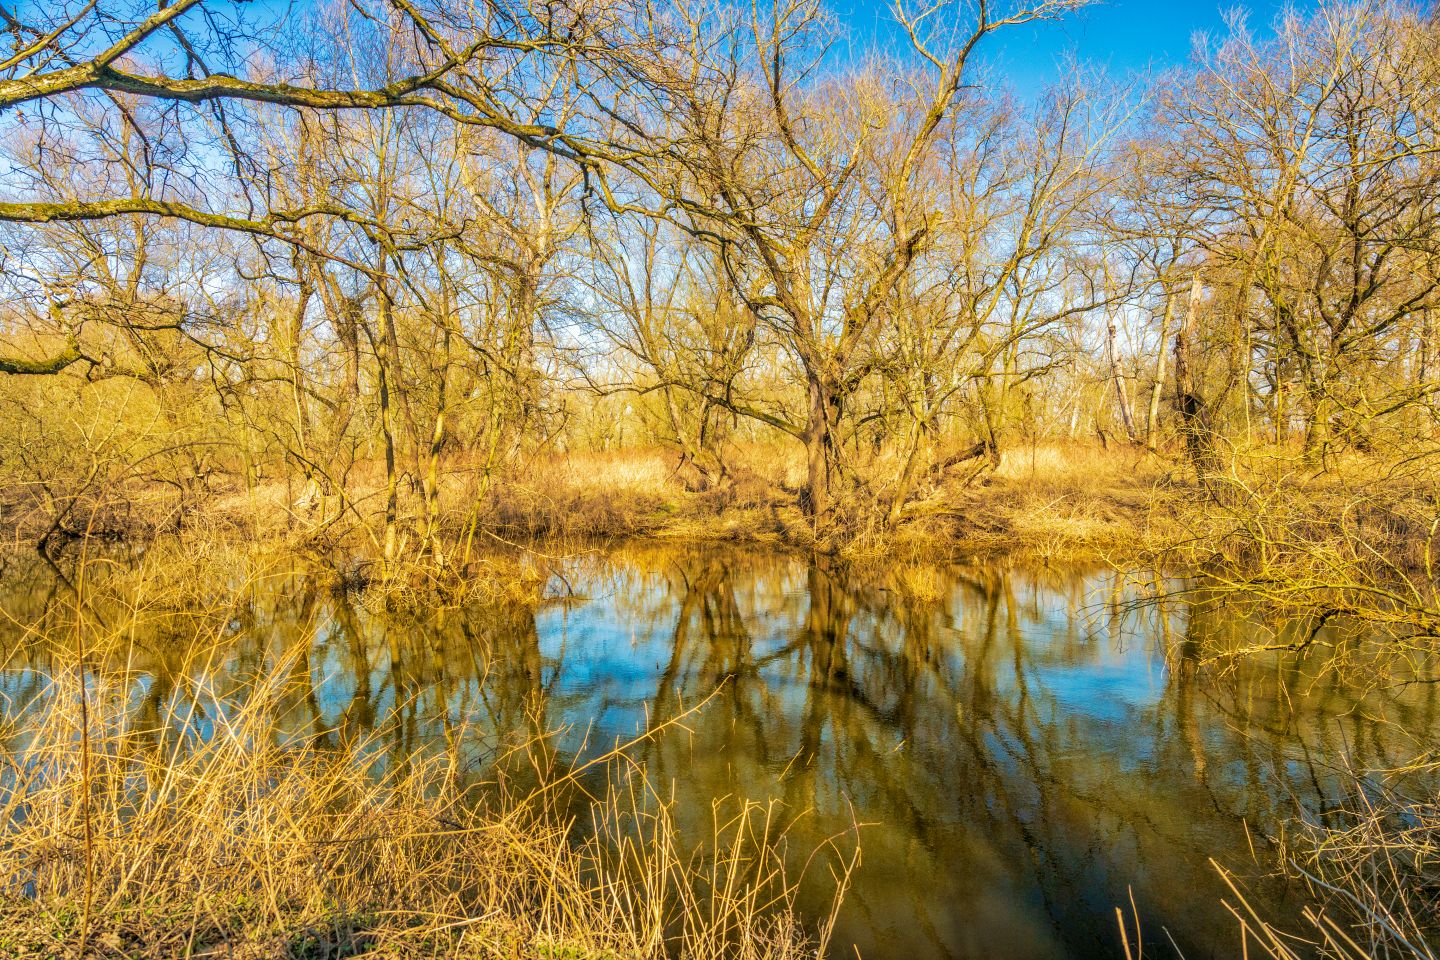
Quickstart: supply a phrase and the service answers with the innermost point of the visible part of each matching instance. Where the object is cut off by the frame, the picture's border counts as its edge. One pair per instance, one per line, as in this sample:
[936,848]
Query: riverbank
[1060,503]
[1052,502]
[1354,541]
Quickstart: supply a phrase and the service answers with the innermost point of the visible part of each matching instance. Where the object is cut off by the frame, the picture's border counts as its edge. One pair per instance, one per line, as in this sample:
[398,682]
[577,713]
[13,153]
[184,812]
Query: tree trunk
[1152,424]
[383,344]
[991,438]
[820,449]
[387,430]
[917,450]
[431,485]
[1188,402]
[1121,397]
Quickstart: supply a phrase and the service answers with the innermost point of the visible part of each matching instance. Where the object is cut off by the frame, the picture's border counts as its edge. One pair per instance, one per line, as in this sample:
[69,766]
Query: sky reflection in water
[1022,747]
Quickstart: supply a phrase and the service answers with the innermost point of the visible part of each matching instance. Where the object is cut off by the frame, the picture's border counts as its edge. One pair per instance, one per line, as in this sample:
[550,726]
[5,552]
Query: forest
[435,296]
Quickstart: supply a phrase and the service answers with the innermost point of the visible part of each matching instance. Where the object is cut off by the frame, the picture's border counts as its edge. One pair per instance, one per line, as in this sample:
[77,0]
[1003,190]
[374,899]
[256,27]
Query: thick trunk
[820,449]
[1281,413]
[1425,373]
[431,485]
[527,313]
[1188,402]
[694,446]
[385,347]
[299,389]
[991,439]
[350,338]
[1317,427]
[1424,353]
[1316,410]
[400,391]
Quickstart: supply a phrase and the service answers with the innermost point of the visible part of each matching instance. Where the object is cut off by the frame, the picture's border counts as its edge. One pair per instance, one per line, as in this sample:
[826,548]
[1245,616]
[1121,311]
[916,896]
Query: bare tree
[810,187]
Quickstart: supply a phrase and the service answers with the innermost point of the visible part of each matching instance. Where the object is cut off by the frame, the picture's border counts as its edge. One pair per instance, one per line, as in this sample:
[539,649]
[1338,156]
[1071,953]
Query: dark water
[1025,748]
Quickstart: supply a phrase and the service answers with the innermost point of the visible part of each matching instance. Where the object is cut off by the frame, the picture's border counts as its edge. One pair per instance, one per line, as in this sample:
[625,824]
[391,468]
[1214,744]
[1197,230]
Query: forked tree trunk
[917,449]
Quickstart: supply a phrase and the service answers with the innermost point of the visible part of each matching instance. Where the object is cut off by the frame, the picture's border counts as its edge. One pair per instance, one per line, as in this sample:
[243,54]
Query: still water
[1026,749]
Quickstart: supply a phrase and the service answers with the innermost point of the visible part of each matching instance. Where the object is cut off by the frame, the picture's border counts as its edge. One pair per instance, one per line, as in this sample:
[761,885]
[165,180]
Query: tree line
[373,246]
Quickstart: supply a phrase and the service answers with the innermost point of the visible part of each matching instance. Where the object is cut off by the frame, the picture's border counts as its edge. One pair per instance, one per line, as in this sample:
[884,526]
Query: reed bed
[211,825]
[219,835]
[1373,872]
[1370,868]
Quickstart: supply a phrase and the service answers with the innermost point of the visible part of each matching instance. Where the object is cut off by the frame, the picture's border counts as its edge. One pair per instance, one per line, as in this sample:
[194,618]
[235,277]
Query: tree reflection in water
[1022,747]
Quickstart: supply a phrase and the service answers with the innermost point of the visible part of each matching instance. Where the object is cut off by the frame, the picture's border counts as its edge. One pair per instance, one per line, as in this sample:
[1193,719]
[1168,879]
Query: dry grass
[1052,501]
[1372,868]
[577,497]
[588,495]
[1057,502]
[643,492]
[211,831]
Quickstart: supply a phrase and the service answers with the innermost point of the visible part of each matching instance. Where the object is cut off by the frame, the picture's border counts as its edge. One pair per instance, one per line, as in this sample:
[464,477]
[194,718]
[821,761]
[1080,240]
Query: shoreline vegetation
[425,859]
[246,841]
[1070,501]
[1058,500]
[441,292]
[202,823]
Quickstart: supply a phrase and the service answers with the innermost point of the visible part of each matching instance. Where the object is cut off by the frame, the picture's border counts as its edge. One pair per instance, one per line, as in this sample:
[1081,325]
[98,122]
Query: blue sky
[1123,35]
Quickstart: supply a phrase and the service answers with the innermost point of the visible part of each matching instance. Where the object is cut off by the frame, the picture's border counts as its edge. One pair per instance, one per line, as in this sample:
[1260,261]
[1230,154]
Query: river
[1024,749]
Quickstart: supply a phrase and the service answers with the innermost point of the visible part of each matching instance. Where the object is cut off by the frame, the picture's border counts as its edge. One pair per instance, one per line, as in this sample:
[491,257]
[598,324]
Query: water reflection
[1023,748]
